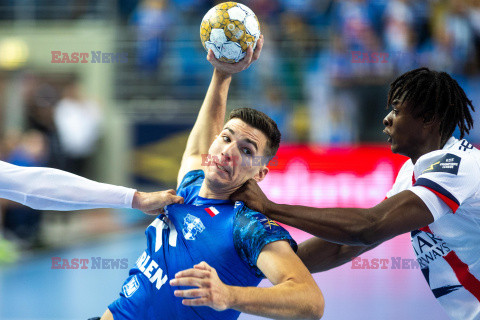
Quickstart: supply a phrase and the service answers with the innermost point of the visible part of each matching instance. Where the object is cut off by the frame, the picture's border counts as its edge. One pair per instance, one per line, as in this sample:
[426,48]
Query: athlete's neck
[206,192]
[429,146]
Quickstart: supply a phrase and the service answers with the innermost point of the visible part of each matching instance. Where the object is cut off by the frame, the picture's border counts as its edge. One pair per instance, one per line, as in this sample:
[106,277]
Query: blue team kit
[228,236]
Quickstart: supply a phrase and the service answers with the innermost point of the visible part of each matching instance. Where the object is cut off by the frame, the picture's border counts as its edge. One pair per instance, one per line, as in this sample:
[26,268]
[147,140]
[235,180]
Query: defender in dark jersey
[231,246]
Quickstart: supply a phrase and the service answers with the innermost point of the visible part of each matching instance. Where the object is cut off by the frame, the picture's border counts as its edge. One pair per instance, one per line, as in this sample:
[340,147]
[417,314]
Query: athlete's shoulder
[252,231]
[246,218]
[191,184]
[192,178]
[403,179]
[406,169]
[461,146]
[451,173]
[458,157]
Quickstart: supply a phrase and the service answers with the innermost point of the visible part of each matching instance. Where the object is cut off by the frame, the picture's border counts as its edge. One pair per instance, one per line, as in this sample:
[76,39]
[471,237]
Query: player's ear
[429,119]
[262,172]
[430,122]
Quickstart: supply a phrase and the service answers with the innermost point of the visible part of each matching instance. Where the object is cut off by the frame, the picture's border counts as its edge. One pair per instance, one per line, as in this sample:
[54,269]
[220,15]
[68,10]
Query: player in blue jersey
[219,244]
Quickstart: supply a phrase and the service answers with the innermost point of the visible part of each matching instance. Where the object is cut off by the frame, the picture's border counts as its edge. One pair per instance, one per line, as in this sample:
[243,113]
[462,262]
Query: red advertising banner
[348,176]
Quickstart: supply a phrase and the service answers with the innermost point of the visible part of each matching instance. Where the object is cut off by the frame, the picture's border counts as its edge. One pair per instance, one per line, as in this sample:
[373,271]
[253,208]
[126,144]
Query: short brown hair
[262,122]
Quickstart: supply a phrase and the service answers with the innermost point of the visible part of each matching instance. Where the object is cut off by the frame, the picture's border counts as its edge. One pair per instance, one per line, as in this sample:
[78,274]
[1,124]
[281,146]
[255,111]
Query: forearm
[288,300]
[339,225]
[211,115]
[51,189]
[319,255]
[401,213]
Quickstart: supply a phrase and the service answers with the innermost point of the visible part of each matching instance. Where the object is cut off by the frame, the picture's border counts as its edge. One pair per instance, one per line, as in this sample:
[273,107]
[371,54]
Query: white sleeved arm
[52,189]
[451,177]
[403,180]
[437,207]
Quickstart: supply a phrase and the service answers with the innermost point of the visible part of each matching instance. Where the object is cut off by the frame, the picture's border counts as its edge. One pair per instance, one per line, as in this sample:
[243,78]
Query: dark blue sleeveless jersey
[228,236]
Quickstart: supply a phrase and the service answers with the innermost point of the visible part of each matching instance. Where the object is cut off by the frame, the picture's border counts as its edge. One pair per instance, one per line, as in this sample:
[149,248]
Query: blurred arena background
[323,76]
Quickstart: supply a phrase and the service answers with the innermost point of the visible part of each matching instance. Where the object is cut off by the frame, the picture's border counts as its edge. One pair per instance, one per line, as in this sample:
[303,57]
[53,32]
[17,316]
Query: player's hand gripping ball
[229,29]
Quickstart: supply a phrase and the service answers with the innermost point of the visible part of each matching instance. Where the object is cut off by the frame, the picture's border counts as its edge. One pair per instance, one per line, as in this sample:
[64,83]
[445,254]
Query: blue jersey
[228,236]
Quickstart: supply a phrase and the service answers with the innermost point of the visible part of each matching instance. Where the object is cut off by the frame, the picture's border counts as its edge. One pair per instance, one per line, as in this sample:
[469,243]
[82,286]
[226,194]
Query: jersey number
[159,226]
[465,145]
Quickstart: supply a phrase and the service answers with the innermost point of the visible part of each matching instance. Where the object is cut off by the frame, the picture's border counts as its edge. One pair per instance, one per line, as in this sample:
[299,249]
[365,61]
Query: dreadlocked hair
[435,94]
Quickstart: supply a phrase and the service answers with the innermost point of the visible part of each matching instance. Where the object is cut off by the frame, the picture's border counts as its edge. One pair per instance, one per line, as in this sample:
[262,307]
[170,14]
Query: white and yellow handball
[229,29]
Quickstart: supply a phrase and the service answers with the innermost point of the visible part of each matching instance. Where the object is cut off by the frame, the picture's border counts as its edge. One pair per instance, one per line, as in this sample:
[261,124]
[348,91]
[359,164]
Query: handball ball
[228,29]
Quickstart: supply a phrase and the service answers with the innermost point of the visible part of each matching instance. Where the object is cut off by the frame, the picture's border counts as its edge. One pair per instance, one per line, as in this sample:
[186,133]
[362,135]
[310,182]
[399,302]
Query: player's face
[406,134]
[236,155]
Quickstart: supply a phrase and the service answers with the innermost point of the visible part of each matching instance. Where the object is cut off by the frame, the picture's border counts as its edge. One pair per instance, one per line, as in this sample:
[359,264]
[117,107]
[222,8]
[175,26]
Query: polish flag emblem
[212,211]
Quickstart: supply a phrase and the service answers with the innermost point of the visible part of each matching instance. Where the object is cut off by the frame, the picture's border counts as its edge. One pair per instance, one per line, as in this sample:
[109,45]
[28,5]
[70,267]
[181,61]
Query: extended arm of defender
[52,189]
[320,255]
[211,116]
[294,294]
[401,213]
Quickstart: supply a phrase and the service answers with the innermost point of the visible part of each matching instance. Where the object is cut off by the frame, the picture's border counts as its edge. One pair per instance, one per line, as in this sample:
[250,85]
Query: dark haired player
[436,196]
[239,245]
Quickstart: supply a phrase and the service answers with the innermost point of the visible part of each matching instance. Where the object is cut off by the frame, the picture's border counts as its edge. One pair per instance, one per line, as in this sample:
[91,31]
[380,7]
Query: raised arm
[294,294]
[401,213]
[211,116]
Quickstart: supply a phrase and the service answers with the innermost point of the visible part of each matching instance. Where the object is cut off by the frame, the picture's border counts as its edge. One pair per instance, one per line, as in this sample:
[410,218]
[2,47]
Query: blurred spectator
[278,109]
[152,20]
[78,121]
[267,11]
[300,7]
[295,32]
[460,30]
[451,46]
[41,96]
[31,151]
[126,9]
[473,13]
[21,221]
[399,34]
[354,31]
[333,111]
[354,23]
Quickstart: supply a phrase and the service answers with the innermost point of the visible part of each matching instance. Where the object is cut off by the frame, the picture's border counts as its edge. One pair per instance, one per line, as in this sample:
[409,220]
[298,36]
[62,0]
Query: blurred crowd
[326,65]
[61,130]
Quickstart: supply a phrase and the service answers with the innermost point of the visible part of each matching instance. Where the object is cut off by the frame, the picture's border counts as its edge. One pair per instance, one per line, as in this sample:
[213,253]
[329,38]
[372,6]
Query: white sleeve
[52,189]
[403,180]
[437,207]
[451,177]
